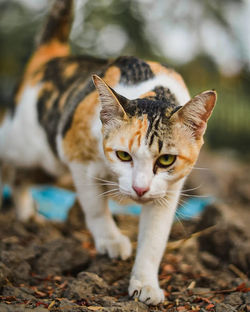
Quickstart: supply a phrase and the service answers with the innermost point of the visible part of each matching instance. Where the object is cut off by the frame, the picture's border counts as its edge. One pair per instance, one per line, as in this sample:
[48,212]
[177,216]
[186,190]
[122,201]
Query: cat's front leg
[108,238]
[155,225]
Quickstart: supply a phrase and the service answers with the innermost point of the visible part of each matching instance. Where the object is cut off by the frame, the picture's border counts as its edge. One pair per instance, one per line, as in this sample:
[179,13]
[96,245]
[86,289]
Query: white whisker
[102,180]
[199,196]
[109,191]
[197,168]
[182,226]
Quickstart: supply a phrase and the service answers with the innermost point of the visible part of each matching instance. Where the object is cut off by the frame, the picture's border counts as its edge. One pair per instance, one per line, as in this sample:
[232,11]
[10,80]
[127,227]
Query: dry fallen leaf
[51,305]
[95,308]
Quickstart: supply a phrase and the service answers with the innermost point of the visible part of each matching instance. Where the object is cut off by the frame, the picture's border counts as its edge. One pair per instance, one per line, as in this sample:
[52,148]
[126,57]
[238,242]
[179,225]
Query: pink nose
[140,191]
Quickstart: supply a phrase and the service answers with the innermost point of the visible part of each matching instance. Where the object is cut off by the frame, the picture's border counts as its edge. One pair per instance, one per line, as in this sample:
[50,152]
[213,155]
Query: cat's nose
[140,191]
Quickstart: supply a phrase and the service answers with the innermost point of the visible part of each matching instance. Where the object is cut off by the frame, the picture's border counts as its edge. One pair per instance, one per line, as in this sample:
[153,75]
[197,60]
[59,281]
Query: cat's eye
[165,161]
[123,156]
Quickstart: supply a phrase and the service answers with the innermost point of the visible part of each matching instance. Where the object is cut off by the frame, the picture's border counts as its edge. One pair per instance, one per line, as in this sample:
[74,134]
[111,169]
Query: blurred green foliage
[229,126]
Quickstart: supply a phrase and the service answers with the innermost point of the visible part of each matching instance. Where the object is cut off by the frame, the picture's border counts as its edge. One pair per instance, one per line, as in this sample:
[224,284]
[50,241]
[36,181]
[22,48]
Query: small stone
[22,293]
[129,306]
[86,285]
[222,307]
[61,256]
[234,299]
[246,298]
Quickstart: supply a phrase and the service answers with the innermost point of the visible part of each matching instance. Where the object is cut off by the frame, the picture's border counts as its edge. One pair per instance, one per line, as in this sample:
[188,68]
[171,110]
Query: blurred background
[207,41]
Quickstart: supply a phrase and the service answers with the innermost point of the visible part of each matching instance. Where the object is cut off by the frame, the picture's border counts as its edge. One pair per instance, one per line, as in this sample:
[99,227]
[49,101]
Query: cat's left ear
[195,113]
[111,110]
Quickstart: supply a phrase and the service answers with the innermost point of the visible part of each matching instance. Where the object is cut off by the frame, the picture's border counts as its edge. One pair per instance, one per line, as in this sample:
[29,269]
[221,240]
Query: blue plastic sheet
[54,204]
[6,192]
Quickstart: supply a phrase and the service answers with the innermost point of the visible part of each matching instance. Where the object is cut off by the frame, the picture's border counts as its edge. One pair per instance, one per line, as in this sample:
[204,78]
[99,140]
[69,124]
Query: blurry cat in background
[126,128]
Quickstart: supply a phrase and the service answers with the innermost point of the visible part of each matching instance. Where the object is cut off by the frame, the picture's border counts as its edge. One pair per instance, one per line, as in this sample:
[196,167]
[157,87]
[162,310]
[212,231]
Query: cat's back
[57,106]
[29,127]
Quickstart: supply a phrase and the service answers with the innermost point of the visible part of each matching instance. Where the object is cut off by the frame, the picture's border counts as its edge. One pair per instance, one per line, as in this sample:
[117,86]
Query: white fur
[155,225]
[24,203]
[23,141]
[135,91]
[108,238]
[141,173]
[96,130]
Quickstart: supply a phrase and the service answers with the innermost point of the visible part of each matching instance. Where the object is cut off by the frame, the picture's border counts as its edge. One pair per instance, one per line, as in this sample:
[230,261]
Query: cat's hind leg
[24,204]
[108,238]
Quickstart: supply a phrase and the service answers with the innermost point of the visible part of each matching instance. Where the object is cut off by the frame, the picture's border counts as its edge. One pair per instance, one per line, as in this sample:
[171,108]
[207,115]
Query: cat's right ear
[111,110]
[195,113]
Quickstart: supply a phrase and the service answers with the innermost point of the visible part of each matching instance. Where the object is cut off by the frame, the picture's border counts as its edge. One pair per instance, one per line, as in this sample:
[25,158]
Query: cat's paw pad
[145,293]
[120,247]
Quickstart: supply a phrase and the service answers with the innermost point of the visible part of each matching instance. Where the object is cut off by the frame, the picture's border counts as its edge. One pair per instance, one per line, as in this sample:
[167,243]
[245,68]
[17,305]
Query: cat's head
[151,144]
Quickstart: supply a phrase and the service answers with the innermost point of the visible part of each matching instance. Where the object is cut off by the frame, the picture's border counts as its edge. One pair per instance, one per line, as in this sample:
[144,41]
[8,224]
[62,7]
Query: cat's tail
[58,25]
[52,42]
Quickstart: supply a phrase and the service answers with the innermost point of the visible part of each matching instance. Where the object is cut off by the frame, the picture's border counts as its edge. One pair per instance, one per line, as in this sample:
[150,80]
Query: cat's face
[150,151]
[144,172]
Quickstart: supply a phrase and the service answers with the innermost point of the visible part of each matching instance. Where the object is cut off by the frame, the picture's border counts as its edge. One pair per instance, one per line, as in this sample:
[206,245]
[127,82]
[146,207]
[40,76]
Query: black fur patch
[79,86]
[158,109]
[133,70]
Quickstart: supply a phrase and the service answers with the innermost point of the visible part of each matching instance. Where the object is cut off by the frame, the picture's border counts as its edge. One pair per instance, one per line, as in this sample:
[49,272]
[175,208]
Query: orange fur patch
[138,128]
[131,141]
[139,140]
[108,149]
[70,70]
[78,142]
[122,140]
[65,95]
[144,124]
[63,99]
[147,94]
[48,86]
[51,101]
[112,76]
[157,69]
[39,58]
[185,158]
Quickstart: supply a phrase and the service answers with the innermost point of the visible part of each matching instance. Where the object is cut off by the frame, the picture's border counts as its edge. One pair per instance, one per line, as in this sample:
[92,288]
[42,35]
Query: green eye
[123,156]
[166,160]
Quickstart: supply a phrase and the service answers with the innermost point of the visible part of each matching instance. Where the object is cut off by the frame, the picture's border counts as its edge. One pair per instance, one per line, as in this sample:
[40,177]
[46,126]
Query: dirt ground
[54,267]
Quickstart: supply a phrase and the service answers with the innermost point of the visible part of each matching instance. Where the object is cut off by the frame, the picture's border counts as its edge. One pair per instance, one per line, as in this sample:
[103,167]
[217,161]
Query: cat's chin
[142,200]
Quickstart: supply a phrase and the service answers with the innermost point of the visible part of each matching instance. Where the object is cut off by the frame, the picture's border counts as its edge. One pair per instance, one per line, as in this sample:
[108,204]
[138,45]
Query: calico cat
[125,128]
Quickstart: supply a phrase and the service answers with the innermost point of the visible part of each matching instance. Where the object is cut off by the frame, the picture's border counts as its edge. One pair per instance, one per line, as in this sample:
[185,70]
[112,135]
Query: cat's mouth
[141,200]
[138,199]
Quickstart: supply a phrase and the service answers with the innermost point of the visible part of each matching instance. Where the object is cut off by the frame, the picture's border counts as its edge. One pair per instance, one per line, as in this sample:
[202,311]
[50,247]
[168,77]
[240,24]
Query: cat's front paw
[119,247]
[148,294]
